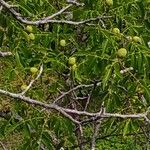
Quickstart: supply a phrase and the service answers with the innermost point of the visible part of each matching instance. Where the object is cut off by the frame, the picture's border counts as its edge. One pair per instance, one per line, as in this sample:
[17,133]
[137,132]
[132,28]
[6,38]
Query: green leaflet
[126,127]
[140,62]
[117,70]
[17,57]
[147,92]
[107,75]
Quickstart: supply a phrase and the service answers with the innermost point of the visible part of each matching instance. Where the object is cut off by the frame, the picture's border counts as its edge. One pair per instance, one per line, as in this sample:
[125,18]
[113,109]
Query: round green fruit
[31,36]
[137,39]
[29,28]
[62,43]
[71,61]
[122,52]
[33,70]
[116,31]
[109,2]
[74,67]
[23,87]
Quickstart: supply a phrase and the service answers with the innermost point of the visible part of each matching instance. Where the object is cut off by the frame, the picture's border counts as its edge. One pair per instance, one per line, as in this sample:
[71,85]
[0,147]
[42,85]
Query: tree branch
[38,103]
[96,131]
[56,14]
[73,89]
[49,18]
[3,54]
[72,111]
[75,3]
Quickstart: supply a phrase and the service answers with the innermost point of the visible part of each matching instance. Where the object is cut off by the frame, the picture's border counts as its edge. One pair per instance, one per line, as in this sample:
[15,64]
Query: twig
[89,97]
[79,98]
[56,14]
[32,81]
[96,131]
[73,89]
[81,137]
[97,125]
[103,24]
[75,3]
[88,100]
[4,148]
[1,7]
[45,21]
[146,119]
[3,54]
[96,118]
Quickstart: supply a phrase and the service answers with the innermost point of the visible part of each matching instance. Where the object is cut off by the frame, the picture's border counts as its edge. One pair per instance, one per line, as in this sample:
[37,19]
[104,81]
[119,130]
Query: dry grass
[11,142]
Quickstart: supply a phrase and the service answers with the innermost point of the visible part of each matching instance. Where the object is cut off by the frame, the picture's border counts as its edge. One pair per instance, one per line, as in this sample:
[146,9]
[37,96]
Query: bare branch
[96,131]
[80,137]
[79,98]
[89,97]
[32,81]
[3,147]
[38,103]
[1,7]
[72,111]
[66,111]
[3,54]
[73,89]
[49,19]
[78,117]
[56,14]
[96,128]
[75,3]
[146,119]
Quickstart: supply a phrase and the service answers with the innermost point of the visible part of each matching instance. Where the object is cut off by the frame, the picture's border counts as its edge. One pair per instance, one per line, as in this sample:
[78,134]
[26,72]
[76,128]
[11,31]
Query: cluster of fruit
[29,29]
[122,52]
[71,60]
[33,70]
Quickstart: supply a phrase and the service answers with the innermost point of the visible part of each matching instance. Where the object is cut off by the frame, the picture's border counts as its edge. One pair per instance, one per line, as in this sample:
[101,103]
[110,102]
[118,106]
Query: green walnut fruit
[71,61]
[33,70]
[122,52]
[29,28]
[62,43]
[23,87]
[137,39]
[31,36]
[74,67]
[116,31]
[109,2]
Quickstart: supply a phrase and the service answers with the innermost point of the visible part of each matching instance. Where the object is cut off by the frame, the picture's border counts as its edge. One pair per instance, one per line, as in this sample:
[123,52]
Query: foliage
[95,49]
